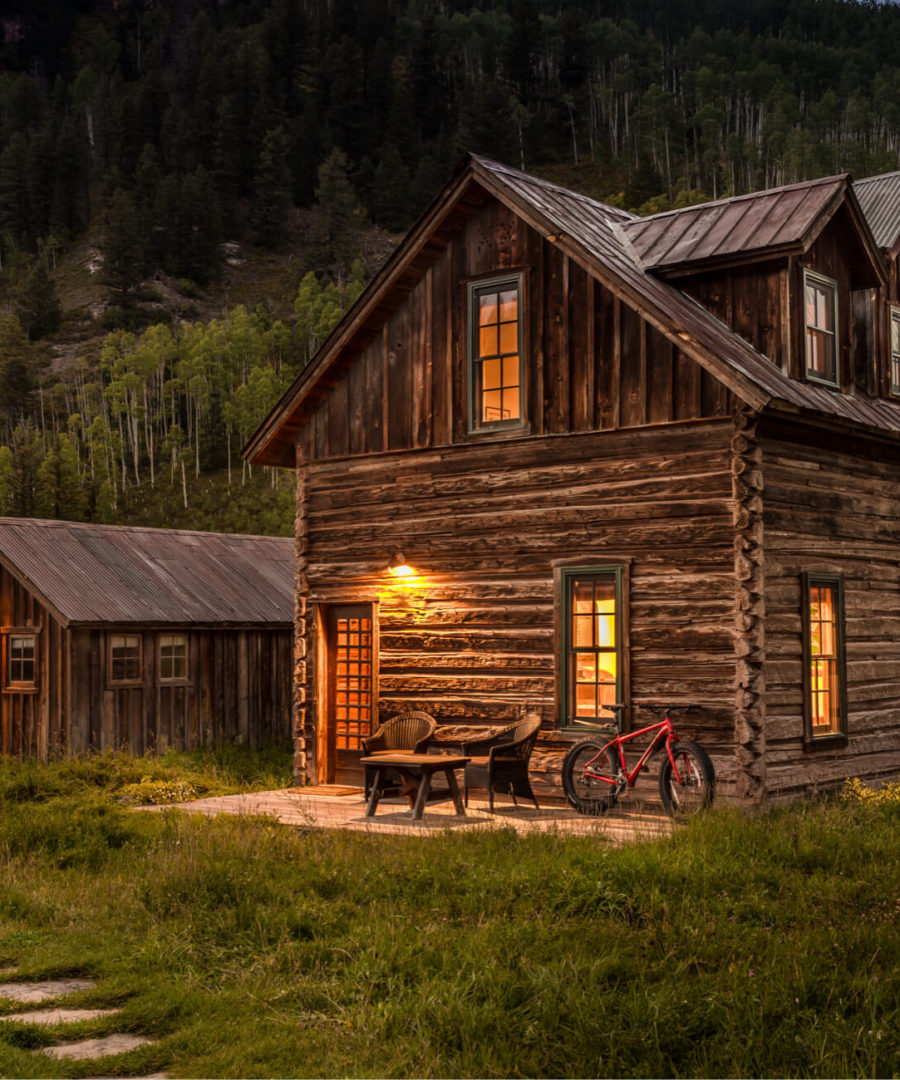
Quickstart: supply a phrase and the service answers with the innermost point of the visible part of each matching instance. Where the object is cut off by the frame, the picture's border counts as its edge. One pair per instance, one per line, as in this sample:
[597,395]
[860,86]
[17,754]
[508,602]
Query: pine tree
[123,246]
[37,304]
[272,191]
[335,235]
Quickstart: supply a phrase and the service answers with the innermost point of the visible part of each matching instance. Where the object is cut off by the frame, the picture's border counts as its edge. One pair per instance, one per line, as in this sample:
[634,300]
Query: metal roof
[603,239]
[879,197]
[747,224]
[100,574]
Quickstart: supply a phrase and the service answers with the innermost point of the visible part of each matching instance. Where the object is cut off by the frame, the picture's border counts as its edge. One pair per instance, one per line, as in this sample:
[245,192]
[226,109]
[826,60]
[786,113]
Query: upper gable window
[820,316]
[495,356]
[895,350]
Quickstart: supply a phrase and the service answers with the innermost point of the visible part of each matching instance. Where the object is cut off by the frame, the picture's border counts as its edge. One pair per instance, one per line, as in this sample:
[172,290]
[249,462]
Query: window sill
[825,742]
[491,433]
[24,689]
[125,685]
[174,682]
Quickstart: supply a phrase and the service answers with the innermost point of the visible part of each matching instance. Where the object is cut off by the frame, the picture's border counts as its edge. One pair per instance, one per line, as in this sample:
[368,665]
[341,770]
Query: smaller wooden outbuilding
[141,639]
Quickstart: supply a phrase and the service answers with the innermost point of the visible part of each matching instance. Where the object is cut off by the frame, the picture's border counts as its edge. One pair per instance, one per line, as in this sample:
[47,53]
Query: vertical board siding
[238,688]
[834,510]
[473,641]
[591,363]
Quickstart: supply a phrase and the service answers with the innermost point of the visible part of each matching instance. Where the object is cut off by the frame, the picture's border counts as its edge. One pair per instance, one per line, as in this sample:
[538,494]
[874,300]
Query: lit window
[124,658]
[593,643]
[495,349]
[21,661]
[820,317]
[895,350]
[825,674]
[173,657]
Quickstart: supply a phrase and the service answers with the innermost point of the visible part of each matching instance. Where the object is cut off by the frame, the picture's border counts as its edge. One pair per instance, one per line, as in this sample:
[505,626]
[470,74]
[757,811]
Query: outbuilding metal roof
[776,219]
[101,574]
[879,197]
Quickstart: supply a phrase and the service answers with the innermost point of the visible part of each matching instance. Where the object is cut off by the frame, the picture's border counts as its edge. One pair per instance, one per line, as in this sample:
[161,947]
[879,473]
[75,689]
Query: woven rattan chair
[505,765]
[408,733]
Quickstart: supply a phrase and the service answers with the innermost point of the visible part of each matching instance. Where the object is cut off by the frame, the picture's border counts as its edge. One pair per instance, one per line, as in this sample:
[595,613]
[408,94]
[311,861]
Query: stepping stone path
[36,992]
[57,1016]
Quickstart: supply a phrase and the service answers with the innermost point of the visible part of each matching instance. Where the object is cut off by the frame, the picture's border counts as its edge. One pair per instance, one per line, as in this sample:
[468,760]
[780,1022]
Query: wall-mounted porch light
[398,566]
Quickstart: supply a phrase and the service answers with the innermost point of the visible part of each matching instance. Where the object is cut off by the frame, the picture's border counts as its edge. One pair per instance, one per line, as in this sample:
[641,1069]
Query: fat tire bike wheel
[587,794]
[686,795]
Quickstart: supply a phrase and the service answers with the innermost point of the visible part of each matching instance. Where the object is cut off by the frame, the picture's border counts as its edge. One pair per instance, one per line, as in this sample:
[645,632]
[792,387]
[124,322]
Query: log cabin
[142,639]
[557,456]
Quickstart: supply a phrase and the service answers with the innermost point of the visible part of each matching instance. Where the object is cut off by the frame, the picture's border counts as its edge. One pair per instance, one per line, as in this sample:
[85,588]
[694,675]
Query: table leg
[454,791]
[422,795]
[374,794]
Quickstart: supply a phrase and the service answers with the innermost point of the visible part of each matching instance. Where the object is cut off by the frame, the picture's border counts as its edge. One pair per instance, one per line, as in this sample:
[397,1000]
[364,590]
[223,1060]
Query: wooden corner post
[304,763]
[749,609]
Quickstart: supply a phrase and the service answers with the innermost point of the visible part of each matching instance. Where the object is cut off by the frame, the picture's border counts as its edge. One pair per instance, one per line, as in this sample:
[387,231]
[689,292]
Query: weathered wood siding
[474,639]
[239,689]
[832,504]
[32,723]
[591,362]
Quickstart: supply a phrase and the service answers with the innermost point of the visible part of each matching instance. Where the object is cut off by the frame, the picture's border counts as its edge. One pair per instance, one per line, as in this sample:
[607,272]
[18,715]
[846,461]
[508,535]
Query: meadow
[742,945]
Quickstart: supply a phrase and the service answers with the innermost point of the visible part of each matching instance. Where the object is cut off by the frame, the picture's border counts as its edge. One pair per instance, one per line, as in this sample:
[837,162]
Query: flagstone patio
[308,808]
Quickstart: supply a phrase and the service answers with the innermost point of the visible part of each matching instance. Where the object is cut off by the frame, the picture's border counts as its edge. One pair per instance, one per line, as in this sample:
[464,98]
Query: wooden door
[351,688]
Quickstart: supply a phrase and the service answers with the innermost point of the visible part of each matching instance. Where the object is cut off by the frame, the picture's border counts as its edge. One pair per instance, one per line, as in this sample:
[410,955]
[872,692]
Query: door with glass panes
[351,688]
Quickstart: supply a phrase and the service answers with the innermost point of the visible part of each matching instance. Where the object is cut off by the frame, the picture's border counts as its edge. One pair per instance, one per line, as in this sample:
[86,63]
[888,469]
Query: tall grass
[738,946]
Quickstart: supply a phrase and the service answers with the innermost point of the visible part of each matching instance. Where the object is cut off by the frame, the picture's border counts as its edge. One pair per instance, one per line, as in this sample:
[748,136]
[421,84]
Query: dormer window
[495,353]
[820,316]
[895,350]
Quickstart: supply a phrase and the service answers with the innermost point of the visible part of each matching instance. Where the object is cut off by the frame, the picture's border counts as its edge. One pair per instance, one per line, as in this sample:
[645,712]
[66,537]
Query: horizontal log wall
[832,505]
[473,640]
[591,362]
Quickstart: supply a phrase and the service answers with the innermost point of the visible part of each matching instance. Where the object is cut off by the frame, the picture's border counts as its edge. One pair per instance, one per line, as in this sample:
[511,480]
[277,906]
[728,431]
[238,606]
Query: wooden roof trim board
[415,242]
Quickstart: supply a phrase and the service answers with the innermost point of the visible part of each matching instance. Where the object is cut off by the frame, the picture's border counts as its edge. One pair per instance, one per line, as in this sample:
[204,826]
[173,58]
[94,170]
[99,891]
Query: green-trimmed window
[173,657]
[593,644]
[495,353]
[21,661]
[125,658]
[820,319]
[825,696]
[895,350]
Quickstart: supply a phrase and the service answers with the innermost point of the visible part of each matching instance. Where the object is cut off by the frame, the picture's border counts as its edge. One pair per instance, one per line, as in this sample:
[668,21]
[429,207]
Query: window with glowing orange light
[593,642]
[825,675]
[495,350]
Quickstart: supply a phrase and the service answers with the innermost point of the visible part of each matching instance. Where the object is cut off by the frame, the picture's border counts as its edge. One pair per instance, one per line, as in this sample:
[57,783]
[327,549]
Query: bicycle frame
[665,732]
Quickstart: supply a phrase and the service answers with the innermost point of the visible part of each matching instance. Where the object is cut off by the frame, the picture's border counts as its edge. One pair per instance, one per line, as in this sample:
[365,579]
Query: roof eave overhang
[832,422]
[41,598]
[845,197]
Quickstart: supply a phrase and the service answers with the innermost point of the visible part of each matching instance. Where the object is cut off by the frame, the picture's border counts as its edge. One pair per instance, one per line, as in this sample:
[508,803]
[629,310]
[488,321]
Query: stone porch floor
[628,822]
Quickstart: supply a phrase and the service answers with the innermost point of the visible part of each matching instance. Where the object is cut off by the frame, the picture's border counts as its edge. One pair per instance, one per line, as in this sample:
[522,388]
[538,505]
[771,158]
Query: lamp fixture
[398,566]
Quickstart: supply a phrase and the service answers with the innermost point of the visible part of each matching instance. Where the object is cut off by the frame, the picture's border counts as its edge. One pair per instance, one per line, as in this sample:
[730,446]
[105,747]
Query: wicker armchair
[505,766]
[410,733]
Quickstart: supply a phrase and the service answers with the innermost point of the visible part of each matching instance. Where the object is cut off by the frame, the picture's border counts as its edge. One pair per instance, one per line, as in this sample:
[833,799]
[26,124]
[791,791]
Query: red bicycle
[595,772]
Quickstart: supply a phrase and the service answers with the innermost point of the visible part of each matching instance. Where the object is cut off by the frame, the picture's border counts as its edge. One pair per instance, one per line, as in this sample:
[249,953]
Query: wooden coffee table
[419,768]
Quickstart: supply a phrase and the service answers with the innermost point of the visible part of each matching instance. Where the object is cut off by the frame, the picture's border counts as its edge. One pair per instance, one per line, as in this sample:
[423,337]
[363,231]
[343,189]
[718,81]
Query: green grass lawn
[740,946]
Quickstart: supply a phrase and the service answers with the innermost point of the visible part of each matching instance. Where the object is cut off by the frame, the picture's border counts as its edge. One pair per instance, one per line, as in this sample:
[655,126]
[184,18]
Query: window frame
[173,680]
[812,579]
[110,679]
[893,380]
[474,288]
[619,571]
[814,277]
[20,686]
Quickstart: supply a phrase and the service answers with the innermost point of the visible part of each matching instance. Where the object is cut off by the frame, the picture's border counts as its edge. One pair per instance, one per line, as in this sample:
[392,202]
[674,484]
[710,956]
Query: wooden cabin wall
[32,723]
[752,300]
[832,505]
[238,690]
[591,362]
[473,640]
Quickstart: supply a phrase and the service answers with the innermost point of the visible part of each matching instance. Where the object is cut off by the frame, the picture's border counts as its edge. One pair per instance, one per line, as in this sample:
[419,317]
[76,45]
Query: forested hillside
[143,143]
